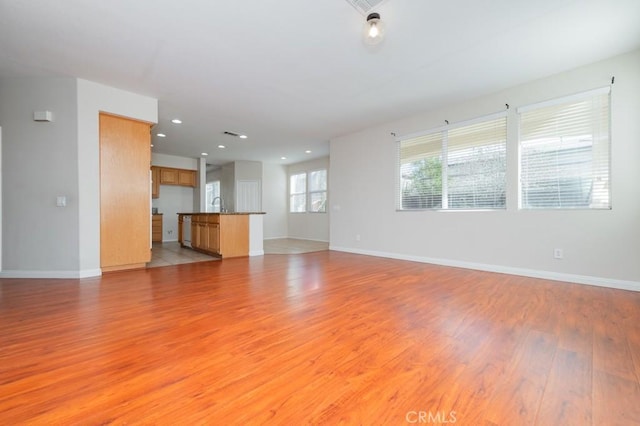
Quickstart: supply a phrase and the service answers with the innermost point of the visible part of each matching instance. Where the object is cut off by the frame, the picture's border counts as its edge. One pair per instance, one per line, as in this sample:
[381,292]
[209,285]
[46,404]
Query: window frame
[308,192]
[444,155]
[557,102]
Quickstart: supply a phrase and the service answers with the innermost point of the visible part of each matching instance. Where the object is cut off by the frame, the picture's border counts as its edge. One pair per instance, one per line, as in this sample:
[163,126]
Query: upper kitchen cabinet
[183,177]
[125,228]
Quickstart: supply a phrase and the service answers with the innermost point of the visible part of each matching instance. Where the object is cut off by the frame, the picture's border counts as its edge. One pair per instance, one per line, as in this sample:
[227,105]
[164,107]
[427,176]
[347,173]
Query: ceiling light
[151,145]
[204,154]
[161,135]
[283,158]
[373,29]
[176,121]
[308,151]
[221,146]
[242,136]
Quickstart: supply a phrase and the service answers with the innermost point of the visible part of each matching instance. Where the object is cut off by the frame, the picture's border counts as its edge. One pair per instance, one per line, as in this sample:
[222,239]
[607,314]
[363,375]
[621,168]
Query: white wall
[309,226]
[227,185]
[39,163]
[274,200]
[600,247]
[165,160]
[173,199]
[0,198]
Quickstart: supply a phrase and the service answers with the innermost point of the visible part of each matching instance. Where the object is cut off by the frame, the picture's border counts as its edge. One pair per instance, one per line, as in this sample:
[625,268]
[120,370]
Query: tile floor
[165,254]
[293,246]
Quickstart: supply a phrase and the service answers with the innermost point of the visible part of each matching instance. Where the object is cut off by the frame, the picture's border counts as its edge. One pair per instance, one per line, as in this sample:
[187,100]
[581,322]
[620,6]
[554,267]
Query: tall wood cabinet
[125,193]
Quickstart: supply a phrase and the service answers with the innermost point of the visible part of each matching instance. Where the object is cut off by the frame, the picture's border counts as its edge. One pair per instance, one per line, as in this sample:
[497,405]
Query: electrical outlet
[170,231]
[558,253]
[357,237]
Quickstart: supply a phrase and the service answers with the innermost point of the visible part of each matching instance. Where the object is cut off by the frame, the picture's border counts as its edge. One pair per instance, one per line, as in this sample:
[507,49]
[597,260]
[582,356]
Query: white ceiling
[293,74]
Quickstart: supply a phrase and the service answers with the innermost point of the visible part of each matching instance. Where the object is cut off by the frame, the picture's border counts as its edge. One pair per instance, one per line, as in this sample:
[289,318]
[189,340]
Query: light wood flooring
[321,338]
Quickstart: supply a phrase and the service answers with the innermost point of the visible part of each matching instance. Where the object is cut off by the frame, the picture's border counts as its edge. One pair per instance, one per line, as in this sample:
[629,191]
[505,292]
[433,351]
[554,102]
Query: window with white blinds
[456,167]
[308,192]
[565,153]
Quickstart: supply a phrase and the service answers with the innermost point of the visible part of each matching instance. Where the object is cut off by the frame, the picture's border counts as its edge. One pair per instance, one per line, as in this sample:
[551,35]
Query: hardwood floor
[317,338]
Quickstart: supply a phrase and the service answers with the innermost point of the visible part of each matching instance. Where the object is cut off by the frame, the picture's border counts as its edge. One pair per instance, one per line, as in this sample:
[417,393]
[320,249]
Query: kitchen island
[222,234]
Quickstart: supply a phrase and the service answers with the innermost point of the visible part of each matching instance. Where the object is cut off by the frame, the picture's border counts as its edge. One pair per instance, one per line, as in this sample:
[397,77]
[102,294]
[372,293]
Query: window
[318,191]
[564,153]
[456,167]
[313,183]
[298,193]
[213,192]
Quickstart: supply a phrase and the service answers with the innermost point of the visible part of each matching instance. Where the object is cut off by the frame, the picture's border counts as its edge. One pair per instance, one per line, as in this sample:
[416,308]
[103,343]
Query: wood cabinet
[156,228]
[125,228]
[225,235]
[171,176]
[155,182]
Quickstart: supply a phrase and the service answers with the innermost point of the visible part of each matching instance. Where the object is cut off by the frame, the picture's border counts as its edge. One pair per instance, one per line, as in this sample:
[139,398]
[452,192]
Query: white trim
[533,273]
[565,99]
[256,253]
[306,239]
[86,273]
[452,126]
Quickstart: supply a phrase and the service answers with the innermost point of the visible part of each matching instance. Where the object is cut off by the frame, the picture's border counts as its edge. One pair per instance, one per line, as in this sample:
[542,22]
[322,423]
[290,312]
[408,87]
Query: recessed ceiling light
[176,121]
[308,151]
[204,154]
[242,136]
[161,135]
[283,158]
[151,145]
[221,146]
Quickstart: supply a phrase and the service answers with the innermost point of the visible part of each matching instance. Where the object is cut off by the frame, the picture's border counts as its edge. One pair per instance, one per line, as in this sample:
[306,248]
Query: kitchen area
[191,224]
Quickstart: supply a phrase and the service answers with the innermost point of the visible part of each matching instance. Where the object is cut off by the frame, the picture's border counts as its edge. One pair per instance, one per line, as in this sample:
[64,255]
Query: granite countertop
[223,213]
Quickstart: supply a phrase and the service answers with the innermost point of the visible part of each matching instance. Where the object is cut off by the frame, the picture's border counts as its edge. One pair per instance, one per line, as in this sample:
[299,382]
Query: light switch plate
[61,201]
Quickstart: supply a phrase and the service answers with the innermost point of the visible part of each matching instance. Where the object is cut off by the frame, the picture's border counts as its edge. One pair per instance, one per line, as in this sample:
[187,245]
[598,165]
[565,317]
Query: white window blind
[458,167]
[565,153]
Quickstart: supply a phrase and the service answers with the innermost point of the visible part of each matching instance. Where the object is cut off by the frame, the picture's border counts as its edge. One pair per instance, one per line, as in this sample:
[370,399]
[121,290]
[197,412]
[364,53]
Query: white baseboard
[308,239]
[533,273]
[256,253]
[85,273]
[170,241]
[296,238]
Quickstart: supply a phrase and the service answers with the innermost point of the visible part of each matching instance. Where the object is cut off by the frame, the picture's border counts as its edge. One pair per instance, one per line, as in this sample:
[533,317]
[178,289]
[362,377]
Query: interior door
[125,193]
